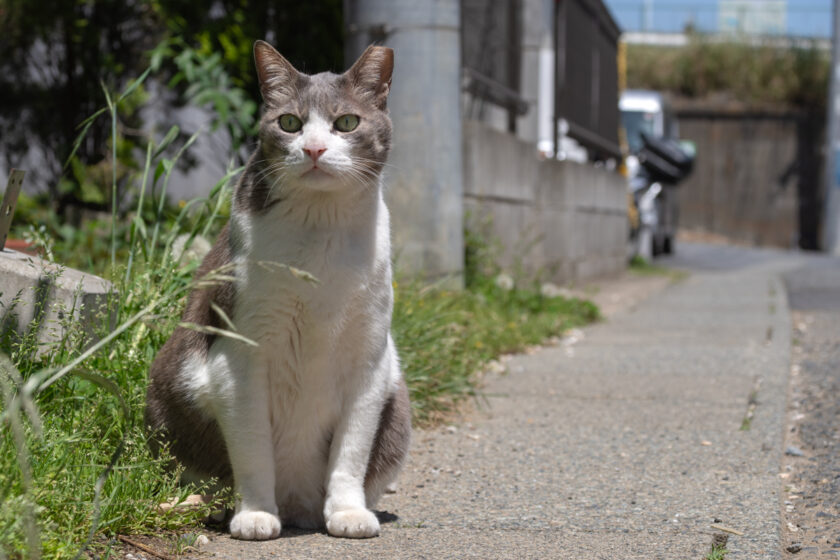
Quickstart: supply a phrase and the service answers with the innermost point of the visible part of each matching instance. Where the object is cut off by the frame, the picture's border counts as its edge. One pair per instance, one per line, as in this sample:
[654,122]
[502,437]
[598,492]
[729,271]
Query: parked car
[656,164]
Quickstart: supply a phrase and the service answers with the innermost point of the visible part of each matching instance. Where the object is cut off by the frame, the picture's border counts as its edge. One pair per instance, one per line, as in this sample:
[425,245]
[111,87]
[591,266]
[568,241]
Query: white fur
[335,163]
[299,413]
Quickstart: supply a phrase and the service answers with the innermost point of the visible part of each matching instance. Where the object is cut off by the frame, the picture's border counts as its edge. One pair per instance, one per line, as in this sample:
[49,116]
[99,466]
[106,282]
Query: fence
[491,51]
[586,76]
[757,177]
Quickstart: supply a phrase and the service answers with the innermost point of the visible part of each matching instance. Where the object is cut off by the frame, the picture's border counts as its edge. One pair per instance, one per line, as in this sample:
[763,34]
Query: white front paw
[353,523]
[255,526]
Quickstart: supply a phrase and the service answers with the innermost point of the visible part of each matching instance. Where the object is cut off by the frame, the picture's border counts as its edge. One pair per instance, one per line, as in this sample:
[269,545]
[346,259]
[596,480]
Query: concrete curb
[39,299]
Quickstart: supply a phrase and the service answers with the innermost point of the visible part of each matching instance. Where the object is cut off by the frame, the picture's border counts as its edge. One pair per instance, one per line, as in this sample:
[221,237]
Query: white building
[753,17]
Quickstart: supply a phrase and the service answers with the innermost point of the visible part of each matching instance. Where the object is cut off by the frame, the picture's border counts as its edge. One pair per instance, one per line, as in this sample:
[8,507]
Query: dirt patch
[624,292]
[700,236]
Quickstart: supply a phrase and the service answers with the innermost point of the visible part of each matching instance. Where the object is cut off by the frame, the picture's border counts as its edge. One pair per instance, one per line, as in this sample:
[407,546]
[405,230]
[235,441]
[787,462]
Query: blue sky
[805,18]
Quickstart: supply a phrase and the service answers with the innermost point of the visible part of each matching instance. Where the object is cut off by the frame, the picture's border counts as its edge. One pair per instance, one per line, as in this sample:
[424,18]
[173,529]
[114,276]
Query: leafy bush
[56,56]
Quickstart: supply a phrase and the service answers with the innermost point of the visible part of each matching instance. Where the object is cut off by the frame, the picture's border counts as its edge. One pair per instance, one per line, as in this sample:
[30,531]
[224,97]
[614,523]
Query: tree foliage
[57,60]
[749,73]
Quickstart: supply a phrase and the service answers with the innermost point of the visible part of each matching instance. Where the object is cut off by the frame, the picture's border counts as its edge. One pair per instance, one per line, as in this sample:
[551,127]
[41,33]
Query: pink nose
[314,152]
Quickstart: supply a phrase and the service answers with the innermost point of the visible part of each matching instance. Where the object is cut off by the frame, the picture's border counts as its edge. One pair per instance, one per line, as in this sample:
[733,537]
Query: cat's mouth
[316,172]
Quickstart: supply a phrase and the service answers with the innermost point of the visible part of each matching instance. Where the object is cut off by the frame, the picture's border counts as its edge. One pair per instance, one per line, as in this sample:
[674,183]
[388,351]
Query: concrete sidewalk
[628,444]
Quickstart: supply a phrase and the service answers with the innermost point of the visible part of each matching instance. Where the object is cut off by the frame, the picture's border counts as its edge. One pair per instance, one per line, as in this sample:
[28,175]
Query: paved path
[628,444]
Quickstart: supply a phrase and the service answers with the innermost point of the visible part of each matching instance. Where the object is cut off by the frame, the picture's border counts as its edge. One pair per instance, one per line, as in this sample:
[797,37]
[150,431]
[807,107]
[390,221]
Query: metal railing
[491,54]
[586,76]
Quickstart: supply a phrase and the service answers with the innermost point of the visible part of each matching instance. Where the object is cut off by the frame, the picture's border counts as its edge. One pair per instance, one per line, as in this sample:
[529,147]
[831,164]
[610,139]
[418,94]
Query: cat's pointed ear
[278,78]
[371,74]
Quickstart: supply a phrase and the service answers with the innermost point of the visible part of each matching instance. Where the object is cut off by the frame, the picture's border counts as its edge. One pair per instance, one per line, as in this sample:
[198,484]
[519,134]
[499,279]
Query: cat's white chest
[316,338]
[303,281]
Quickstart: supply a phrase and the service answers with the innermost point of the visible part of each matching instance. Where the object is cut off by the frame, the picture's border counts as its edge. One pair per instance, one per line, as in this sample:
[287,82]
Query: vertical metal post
[514,56]
[545,106]
[831,222]
[7,208]
[559,68]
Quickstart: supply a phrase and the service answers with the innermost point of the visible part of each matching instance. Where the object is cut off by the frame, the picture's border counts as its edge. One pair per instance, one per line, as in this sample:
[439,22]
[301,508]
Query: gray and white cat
[312,424]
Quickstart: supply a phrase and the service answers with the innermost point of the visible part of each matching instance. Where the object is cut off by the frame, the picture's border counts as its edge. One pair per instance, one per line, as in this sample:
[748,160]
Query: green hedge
[755,74]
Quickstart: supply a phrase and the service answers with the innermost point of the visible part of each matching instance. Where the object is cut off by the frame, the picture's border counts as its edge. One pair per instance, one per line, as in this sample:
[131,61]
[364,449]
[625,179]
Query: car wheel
[668,245]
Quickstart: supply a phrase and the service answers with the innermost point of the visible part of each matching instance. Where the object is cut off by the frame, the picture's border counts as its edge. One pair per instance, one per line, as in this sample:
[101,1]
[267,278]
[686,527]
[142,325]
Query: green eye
[290,123]
[346,123]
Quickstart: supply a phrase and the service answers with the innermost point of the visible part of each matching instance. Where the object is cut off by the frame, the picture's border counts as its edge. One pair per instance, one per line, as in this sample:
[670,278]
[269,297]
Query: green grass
[642,267]
[639,265]
[74,464]
[717,553]
[752,403]
[75,469]
[444,337]
[87,426]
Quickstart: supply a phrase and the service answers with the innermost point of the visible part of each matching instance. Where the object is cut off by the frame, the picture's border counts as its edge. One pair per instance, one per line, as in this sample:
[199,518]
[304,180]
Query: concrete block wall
[560,221]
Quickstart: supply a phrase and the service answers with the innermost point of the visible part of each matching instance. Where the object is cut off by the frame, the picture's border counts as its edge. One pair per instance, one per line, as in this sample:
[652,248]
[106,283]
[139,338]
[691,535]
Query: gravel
[812,484]
[811,494]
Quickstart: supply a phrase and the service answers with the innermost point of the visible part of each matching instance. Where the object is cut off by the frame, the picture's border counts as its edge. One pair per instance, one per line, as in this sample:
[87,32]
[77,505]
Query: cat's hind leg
[390,446]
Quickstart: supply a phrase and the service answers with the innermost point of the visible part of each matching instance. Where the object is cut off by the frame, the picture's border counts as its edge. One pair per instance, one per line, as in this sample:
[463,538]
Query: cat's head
[325,131]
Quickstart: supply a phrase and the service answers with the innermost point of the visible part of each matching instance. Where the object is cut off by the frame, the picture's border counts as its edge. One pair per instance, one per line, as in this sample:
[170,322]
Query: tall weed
[74,462]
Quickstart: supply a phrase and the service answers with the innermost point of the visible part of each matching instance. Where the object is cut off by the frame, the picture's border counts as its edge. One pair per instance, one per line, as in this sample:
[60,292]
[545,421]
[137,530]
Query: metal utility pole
[424,178]
[648,17]
[831,221]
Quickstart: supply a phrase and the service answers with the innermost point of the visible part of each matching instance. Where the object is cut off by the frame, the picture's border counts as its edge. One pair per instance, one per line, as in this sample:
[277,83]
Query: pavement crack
[752,404]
